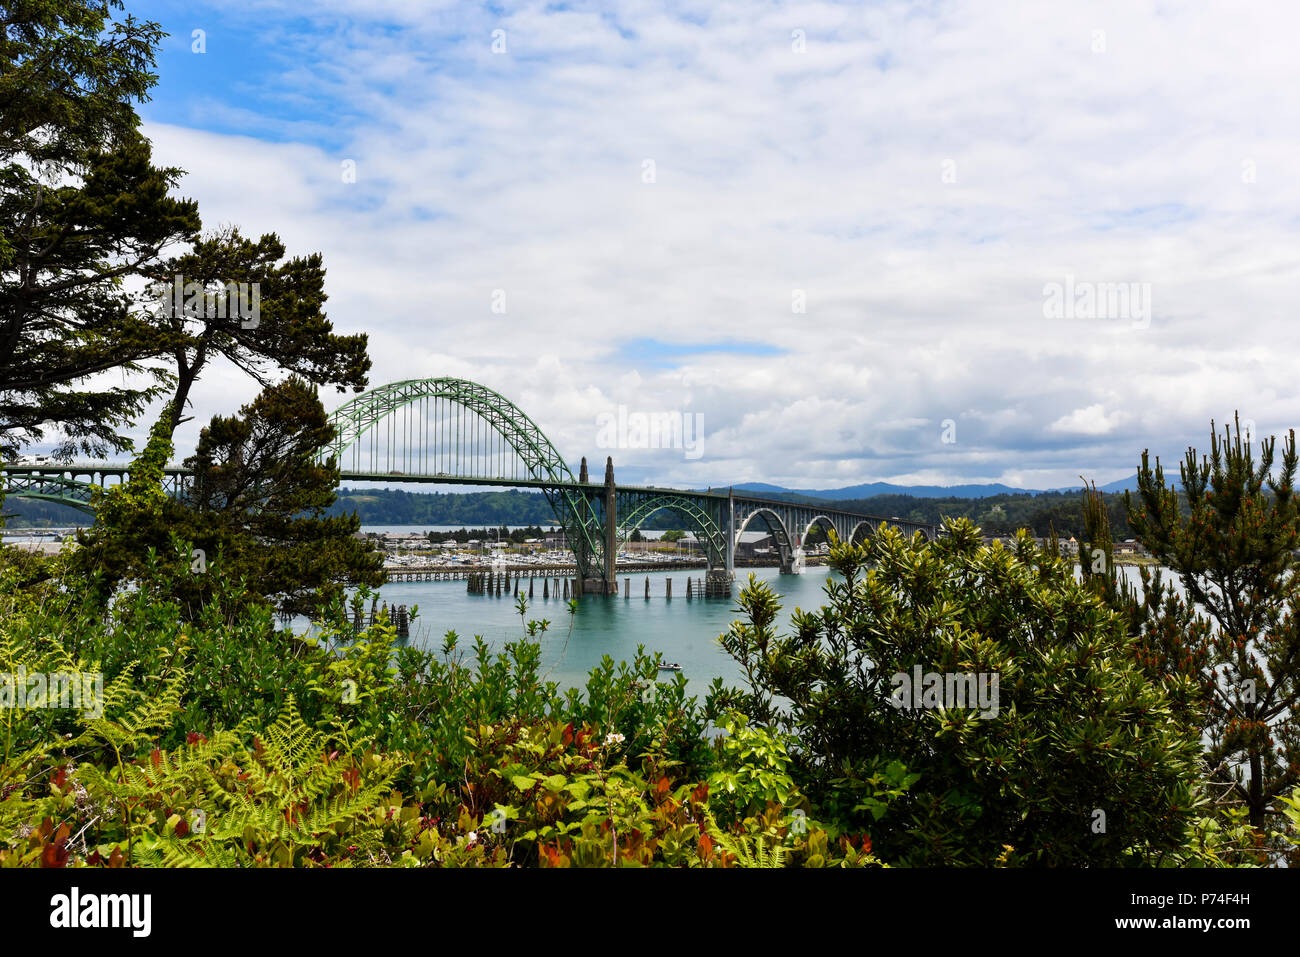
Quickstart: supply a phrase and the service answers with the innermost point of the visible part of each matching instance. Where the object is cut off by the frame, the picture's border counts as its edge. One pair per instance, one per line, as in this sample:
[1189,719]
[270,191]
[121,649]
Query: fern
[275,803]
[135,727]
[748,850]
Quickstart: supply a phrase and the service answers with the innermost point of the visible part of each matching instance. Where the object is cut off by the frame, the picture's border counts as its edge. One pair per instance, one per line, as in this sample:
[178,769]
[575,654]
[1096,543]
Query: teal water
[684,631]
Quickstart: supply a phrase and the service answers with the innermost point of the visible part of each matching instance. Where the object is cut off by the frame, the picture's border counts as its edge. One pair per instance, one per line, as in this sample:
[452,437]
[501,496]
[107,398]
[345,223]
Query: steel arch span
[52,488]
[636,507]
[467,448]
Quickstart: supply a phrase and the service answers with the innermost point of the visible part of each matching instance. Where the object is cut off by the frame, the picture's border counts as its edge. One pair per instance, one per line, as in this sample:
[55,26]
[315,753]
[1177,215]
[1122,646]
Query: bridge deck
[100,470]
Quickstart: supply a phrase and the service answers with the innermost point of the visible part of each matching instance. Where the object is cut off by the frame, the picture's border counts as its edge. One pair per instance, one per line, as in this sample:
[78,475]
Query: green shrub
[1083,763]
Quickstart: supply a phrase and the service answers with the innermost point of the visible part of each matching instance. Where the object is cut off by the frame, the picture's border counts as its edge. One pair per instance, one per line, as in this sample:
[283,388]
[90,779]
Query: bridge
[455,432]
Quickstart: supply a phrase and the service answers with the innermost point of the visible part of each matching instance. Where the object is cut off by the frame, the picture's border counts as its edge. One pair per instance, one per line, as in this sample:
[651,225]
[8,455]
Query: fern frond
[749,851]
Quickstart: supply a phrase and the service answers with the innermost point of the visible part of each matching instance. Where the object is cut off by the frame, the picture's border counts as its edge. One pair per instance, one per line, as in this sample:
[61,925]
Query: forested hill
[398,507]
[1001,514]
[996,514]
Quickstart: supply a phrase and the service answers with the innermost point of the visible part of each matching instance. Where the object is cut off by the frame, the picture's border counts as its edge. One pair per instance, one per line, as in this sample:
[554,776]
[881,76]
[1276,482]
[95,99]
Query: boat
[670,666]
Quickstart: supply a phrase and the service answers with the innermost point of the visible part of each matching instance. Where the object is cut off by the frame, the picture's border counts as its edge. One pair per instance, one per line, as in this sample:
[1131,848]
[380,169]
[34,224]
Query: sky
[925,243]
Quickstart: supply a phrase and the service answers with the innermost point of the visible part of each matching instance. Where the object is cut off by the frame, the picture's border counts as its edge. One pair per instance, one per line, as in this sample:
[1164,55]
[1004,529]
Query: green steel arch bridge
[456,432]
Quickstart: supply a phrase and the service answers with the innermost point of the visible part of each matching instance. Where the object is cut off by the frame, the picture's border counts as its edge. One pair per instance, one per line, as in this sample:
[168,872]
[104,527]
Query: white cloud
[776,171]
[1093,420]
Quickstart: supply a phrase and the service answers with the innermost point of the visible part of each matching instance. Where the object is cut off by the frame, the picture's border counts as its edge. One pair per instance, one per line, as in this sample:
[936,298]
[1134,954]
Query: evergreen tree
[88,231]
[83,210]
[232,297]
[256,507]
[1234,552]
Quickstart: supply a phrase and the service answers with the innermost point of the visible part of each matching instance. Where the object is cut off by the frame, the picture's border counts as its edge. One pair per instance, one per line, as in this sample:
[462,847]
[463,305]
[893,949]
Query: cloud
[915,176]
[1090,421]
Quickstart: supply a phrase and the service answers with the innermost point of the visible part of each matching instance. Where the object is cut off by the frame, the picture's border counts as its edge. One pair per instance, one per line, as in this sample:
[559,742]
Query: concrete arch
[863,530]
[824,520]
[784,543]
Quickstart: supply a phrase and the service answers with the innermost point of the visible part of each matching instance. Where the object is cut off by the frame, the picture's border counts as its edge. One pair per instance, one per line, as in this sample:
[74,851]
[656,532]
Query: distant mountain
[871,489]
[886,488]
[1129,484]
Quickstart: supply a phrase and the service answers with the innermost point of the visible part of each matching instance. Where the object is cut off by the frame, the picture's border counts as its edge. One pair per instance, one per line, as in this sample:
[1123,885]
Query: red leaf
[55,854]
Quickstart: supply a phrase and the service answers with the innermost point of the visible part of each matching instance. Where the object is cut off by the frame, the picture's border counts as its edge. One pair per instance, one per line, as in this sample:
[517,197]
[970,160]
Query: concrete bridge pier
[731,534]
[607,584]
[717,583]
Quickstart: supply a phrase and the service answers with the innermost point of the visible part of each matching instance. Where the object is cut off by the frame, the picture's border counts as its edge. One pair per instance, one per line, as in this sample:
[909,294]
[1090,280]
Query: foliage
[1078,727]
[349,749]
[1231,539]
[256,507]
[288,330]
[346,749]
[82,210]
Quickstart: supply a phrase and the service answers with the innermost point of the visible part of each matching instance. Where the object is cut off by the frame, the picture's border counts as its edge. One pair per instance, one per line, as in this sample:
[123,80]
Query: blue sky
[853,214]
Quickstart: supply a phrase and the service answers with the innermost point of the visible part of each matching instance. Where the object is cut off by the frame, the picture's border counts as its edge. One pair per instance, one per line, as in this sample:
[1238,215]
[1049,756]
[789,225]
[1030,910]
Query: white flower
[614,738]
[472,836]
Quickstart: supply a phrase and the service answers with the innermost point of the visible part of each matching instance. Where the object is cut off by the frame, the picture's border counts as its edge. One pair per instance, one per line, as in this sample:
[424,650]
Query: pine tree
[1236,638]
[82,211]
[217,281]
[256,509]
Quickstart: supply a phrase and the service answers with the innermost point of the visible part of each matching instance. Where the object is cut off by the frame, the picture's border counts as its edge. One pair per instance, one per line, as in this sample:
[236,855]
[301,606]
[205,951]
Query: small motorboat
[670,666]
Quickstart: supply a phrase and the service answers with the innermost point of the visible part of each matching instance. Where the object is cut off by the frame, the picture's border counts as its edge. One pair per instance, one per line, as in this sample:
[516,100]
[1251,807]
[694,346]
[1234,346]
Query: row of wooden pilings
[418,574]
[398,615]
[499,584]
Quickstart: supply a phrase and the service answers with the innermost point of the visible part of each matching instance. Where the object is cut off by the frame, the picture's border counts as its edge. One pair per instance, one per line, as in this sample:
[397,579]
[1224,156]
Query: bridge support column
[717,583]
[607,584]
[731,534]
